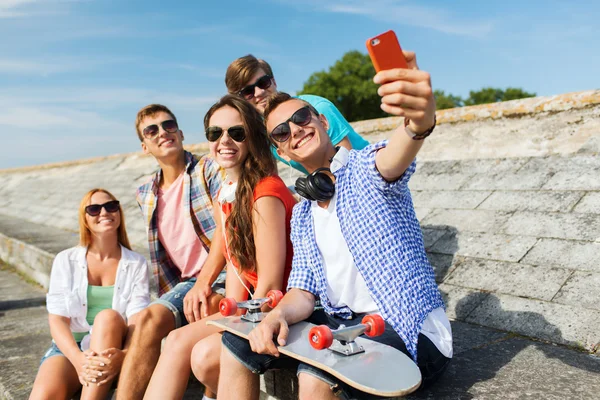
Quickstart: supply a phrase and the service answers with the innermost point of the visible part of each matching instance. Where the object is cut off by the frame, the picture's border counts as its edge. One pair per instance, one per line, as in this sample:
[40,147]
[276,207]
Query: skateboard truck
[228,306]
[341,340]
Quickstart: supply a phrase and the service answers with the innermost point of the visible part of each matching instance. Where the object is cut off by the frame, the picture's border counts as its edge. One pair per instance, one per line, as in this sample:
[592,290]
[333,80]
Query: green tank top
[98,298]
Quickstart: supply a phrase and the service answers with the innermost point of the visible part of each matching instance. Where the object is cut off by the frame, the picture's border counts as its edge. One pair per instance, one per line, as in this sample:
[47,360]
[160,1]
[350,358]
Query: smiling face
[105,222]
[163,145]
[259,101]
[306,144]
[228,153]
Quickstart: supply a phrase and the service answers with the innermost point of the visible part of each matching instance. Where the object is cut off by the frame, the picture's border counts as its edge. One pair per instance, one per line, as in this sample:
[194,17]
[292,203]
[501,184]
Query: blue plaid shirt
[201,184]
[378,222]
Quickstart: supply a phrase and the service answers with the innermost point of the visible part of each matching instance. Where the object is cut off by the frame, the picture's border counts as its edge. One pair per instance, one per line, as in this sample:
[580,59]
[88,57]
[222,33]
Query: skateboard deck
[381,370]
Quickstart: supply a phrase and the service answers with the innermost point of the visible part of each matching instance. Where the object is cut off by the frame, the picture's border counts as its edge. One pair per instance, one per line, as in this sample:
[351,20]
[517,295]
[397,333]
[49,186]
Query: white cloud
[52,118]
[12,8]
[99,98]
[39,134]
[31,118]
[45,67]
[224,33]
[23,8]
[251,41]
[202,71]
[402,13]
[26,67]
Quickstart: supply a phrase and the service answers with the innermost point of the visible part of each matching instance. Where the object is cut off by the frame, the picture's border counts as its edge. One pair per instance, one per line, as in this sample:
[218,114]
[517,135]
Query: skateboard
[229,306]
[364,364]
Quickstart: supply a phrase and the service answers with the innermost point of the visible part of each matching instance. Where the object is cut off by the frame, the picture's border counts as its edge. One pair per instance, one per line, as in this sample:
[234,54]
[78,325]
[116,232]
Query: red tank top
[269,186]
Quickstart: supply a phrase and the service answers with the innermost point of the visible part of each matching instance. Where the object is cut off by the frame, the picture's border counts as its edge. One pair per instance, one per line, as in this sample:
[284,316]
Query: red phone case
[385,52]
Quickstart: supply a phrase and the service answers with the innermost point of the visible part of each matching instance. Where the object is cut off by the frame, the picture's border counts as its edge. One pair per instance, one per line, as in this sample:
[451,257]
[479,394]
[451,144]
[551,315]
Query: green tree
[349,85]
[443,100]
[493,95]
[516,93]
[484,96]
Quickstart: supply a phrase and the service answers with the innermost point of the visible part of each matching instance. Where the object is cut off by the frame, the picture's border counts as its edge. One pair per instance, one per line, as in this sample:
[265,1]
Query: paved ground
[488,363]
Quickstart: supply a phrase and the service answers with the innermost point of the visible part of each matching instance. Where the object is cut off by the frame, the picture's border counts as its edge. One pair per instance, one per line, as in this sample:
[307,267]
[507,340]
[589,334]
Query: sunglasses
[95,209]
[237,133]
[169,126]
[282,132]
[262,83]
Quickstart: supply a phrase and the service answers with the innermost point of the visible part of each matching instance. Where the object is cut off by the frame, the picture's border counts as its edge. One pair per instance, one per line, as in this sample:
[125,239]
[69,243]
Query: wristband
[418,136]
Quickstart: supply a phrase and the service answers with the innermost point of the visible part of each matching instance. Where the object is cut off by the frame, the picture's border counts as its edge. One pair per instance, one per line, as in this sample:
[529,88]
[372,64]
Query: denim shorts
[173,299]
[430,361]
[55,351]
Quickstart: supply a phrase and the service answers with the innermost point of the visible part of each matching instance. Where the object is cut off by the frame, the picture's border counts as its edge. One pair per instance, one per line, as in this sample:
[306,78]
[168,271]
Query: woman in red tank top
[255,209]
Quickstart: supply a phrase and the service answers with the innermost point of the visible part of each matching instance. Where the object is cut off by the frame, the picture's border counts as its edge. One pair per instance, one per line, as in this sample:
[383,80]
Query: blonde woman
[95,288]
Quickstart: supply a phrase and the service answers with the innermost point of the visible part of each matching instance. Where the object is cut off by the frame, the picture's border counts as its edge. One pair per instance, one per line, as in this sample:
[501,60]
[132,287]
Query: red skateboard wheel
[375,325]
[275,297]
[228,306]
[320,337]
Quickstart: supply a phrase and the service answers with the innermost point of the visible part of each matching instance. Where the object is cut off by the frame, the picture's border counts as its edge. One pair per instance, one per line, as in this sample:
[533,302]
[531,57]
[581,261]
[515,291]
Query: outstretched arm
[406,93]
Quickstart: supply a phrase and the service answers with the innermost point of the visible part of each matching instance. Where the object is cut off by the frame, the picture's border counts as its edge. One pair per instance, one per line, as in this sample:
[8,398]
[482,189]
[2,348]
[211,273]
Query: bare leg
[56,379]
[150,326]
[206,357]
[235,380]
[172,373]
[311,387]
[109,331]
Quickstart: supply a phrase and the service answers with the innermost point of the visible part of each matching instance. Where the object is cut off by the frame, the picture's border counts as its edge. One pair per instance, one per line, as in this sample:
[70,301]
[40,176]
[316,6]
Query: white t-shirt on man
[346,286]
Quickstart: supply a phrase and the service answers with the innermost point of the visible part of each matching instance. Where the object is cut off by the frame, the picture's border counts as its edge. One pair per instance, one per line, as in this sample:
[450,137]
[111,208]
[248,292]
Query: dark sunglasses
[95,209]
[169,126]
[237,133]
[282,132]
[262,83]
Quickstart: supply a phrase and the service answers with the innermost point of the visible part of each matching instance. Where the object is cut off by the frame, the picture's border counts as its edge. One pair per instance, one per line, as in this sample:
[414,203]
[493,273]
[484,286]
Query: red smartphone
[385,52]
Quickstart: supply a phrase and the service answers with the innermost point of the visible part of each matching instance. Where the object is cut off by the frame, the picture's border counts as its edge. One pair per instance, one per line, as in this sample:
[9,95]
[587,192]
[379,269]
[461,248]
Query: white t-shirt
[346,286]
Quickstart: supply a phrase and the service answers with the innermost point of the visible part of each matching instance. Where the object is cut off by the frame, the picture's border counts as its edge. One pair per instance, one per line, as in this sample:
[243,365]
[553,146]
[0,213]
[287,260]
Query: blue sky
[73,73]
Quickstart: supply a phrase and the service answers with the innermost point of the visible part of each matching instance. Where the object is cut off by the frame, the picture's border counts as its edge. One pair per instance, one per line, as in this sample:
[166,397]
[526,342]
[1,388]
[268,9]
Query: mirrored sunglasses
[169,126]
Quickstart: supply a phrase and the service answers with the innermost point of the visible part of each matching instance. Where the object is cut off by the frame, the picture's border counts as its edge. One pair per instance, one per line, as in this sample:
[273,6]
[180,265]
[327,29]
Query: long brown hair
[85,235]
[259,164]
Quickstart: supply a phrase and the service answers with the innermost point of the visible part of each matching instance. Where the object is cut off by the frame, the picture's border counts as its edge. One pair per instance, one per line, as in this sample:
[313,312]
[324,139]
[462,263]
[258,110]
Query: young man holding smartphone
[253,79]
[353,263]
[177,204]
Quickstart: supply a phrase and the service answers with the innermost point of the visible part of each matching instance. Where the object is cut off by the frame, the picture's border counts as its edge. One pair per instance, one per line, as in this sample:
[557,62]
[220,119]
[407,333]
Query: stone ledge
[506,109]
[32,261]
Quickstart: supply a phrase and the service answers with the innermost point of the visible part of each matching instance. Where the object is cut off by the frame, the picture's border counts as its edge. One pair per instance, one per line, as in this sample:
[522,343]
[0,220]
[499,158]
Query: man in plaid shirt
[177,204]
[358,246]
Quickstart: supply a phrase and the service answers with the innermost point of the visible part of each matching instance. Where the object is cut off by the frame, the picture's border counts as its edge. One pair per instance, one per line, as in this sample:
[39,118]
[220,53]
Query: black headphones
[317,186]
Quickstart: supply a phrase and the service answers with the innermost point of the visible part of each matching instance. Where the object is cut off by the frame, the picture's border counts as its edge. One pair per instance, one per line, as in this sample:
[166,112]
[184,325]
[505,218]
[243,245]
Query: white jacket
[67,295]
